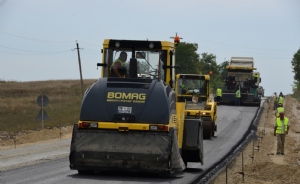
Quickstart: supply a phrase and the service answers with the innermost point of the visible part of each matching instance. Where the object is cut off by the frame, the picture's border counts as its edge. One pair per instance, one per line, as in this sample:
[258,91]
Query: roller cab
[194,90]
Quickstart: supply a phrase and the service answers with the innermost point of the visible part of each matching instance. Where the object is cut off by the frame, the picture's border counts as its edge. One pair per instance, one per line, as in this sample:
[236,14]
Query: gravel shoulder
[258,163]
[32,147]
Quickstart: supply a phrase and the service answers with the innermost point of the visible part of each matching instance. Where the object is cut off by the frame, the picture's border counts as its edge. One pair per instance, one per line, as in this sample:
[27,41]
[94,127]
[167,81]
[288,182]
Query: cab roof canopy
[241,63]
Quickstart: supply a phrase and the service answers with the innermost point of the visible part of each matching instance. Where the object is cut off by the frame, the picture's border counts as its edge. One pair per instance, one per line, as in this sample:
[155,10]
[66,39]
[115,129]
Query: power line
[34,51]
[93,50]
[33,38]
[91,44]
[48,40]
[239,46]
[243,52]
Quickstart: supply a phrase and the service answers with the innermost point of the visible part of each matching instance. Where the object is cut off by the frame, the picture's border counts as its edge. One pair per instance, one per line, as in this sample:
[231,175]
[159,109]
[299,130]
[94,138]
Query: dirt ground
[259,163]
[33,137]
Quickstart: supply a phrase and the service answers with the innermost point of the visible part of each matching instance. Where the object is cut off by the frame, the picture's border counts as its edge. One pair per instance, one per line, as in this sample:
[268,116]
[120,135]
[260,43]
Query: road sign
[42,100]
[42,114]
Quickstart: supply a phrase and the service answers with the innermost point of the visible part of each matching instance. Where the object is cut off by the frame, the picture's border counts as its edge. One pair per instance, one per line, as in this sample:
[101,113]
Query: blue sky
[38,37]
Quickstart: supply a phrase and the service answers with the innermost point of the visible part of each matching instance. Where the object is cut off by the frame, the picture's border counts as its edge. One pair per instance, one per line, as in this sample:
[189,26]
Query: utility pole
[79,62]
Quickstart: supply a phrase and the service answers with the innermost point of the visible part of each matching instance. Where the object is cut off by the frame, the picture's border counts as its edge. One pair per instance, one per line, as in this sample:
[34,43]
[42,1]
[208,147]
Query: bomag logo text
[126,97]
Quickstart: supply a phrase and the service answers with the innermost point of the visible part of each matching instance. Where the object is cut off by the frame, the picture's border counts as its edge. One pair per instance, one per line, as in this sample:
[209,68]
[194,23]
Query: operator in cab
[118,68]
[183,87]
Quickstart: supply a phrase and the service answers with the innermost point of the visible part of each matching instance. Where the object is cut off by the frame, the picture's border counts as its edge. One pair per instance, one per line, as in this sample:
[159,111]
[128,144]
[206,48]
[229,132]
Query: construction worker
[183,87]
[219,95]
[255,78]
[279,110]
[280,94]
[275,100]
[280,99]
[238,97]
[117,68]
[280,130]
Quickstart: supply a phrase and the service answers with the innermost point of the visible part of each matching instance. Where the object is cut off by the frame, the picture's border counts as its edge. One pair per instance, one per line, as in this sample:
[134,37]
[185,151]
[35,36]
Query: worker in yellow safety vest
[280,99]
[255,80]
[275,100]
[183,87]
[255,77]
[279,110]
[281,128]
[219,95]
[118,68]
[238,97]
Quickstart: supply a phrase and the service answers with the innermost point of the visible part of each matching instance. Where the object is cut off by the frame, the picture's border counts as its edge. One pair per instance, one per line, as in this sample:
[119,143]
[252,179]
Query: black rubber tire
[185,163]
[85,172]
[200,141]
[207,130]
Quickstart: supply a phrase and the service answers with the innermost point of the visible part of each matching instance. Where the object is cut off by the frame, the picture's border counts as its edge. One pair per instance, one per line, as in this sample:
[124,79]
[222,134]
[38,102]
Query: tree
[296,65]
[187,58]
[143,67]
[190,63]
[222,70]
[208,64]
[296,69]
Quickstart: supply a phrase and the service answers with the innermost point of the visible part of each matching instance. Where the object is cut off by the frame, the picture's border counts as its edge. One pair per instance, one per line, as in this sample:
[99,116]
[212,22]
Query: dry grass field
[19,108]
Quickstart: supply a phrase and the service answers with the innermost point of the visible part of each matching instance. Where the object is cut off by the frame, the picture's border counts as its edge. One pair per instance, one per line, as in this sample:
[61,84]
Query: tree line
[190,62]
[296,69]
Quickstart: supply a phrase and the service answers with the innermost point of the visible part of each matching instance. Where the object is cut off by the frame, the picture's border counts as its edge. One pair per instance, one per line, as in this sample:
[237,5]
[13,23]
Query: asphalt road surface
[232,122]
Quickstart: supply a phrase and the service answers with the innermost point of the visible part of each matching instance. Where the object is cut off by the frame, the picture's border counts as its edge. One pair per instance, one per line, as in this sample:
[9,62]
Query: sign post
[42,101]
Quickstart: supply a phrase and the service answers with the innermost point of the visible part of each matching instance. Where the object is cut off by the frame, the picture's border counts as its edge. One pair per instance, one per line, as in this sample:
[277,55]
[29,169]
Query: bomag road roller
[194,90]
[133,123]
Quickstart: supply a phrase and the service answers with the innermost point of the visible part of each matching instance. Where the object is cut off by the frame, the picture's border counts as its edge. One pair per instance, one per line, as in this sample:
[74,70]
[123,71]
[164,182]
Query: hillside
[19,108]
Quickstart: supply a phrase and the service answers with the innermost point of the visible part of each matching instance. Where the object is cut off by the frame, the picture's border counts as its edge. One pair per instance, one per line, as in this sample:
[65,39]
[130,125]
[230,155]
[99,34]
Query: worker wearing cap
[280,99]
[238,97]
[280,94]
[279,110]
[275,99]
[219,95]
[281,128]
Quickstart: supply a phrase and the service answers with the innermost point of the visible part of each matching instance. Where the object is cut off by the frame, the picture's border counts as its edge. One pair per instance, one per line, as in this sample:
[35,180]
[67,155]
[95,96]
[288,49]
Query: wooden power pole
[79,62]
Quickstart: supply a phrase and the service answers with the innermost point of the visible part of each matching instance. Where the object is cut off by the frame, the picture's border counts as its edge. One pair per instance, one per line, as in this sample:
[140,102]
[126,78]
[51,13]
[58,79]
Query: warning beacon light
[176,39]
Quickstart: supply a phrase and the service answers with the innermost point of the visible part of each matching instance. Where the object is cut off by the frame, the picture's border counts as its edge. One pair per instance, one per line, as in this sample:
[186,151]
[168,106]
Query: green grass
[296,95]
[19,108]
